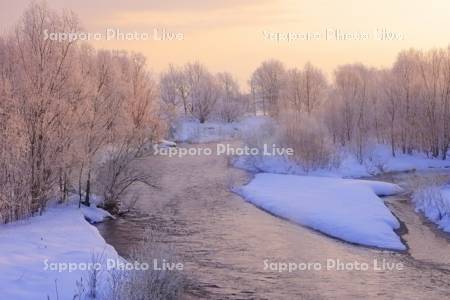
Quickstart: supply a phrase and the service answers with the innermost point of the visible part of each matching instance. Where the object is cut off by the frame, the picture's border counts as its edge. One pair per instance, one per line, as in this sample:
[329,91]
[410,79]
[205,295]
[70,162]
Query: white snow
[378,161]
[343,208]
[434,203]
[60,235]
[94,214]
[166,144]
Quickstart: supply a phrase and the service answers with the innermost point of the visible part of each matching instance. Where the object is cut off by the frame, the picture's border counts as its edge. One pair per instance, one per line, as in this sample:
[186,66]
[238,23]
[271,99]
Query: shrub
[309,140]
[428,198]
[150,284]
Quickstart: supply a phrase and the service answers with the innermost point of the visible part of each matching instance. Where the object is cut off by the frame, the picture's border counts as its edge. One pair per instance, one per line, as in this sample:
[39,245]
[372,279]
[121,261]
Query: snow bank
[166,144]
[343,208]
[191,131]
[378,161]
[94,214]
[60,235]
[434,203]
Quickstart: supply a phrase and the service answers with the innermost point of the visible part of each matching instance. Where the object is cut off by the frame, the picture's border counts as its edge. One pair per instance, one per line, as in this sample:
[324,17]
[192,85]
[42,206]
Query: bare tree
[63,105]
[314,87]
[353,92]
[267,82]
[204,92]
[231,104]
[136,125]
[305,90]
[174,92]
[389,86]
[293,92]
[43,68]
[100,110]
[404,73]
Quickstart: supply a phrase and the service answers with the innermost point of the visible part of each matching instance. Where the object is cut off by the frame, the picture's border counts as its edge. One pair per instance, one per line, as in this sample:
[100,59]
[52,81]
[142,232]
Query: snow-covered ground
[32,249]
[434,203]
[378,161]
[191,131]
[347,209]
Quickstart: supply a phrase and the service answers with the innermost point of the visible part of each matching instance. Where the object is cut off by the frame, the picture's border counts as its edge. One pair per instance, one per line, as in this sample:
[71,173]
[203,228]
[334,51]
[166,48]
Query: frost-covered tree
[191,89]
[231,105]
[174,92]
[314,87]
[43,71]
[63,105]
[267,83]
[203,91]
[304,90]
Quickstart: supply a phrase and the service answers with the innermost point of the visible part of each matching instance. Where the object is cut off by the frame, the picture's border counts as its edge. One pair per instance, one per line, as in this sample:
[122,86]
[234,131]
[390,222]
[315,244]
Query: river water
[224,241]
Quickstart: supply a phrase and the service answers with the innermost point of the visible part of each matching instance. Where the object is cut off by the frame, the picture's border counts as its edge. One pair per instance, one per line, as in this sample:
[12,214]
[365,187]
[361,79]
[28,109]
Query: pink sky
[229,35]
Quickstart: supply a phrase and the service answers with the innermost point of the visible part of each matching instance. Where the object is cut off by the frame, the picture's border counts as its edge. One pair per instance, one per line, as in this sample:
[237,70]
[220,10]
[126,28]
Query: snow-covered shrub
[310,141]
[121,282]
[432,199]
[185,130]
[375,163]
[231,111]
[148,284]
[118,173]
[257,136]
[115,176]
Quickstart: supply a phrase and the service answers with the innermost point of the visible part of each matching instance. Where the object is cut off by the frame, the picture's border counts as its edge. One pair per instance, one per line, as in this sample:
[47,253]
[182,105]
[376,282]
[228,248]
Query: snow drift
[343,208]
[60,236]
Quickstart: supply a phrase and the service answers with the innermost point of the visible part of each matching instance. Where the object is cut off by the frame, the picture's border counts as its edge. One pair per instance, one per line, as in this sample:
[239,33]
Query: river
[223,241]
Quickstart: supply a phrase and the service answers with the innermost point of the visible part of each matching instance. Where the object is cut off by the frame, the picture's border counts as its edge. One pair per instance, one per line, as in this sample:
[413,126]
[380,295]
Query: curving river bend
[223,241]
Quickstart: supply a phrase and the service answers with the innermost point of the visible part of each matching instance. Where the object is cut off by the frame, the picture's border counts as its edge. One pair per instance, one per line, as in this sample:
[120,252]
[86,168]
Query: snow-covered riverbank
[434,202]
[344,208]
[34,251]
[378,162]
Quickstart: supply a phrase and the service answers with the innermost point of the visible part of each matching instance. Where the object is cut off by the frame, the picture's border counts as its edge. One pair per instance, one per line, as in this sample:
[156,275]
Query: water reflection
[224,242]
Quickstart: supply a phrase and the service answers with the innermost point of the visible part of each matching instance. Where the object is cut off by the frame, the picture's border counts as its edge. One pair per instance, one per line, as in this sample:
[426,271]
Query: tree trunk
[88,190]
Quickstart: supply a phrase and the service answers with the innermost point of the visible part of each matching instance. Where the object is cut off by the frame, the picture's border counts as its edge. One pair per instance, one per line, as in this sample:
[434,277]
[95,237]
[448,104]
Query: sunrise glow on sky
[237,36]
